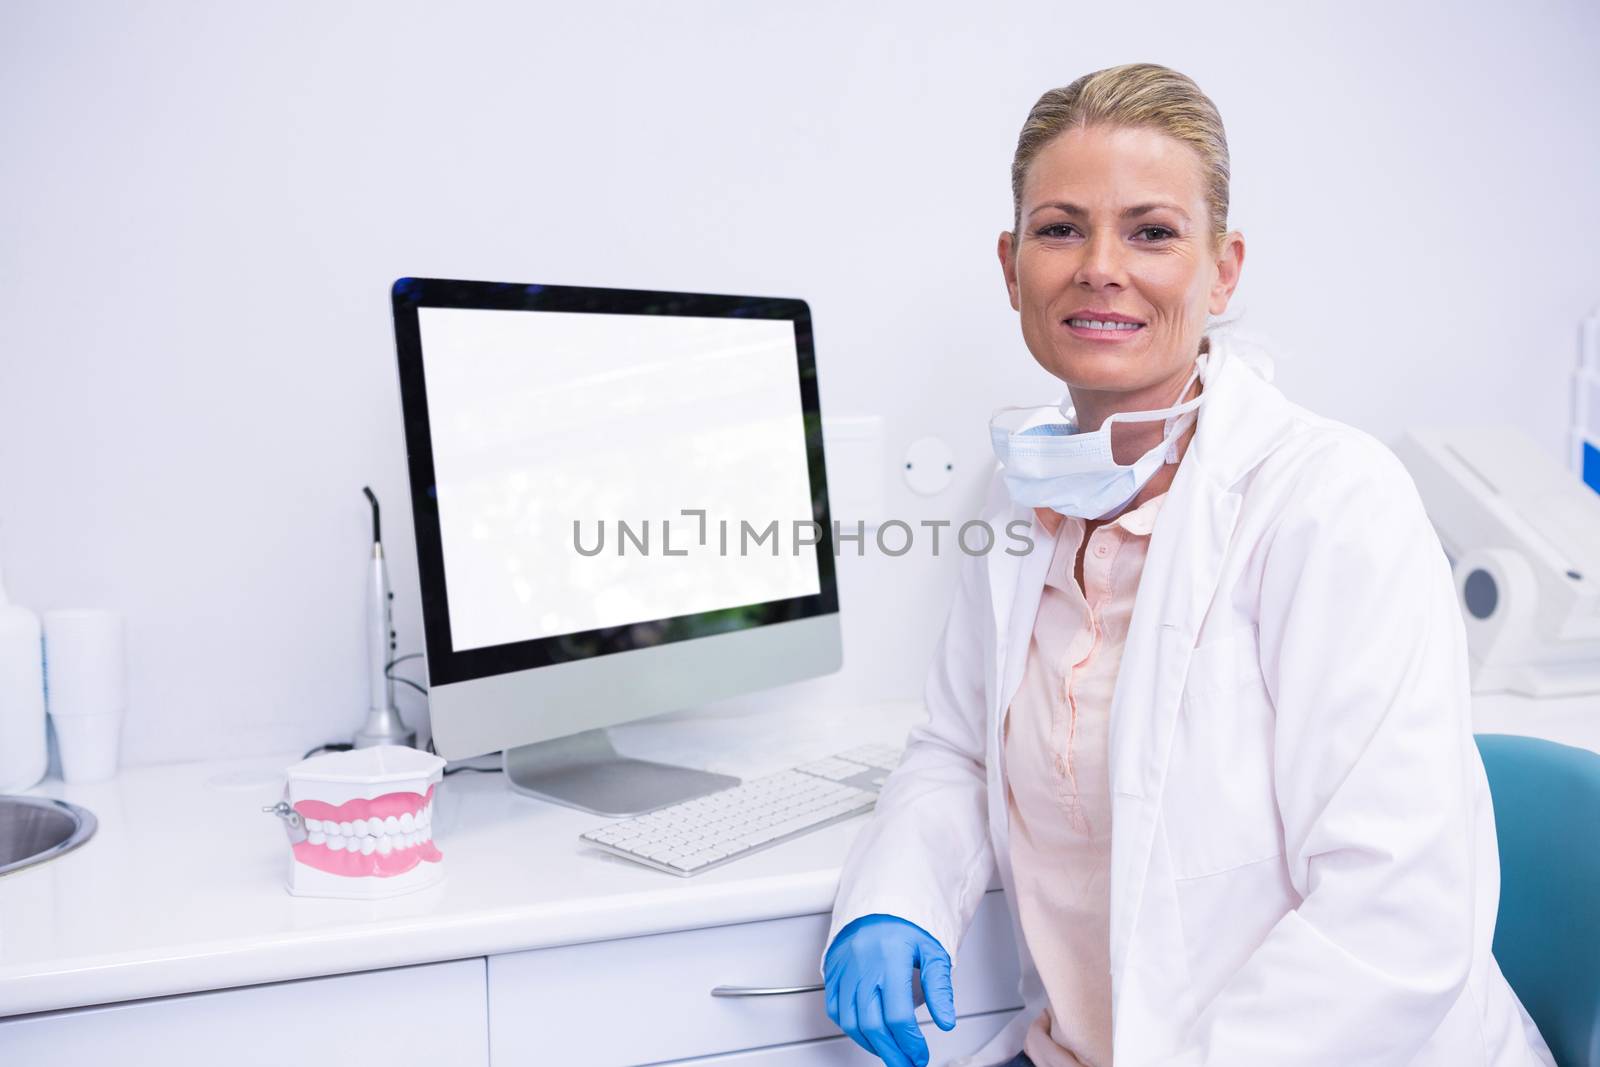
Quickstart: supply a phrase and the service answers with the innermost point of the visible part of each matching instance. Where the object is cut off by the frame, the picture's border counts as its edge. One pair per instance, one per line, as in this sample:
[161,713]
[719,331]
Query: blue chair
[1547,936]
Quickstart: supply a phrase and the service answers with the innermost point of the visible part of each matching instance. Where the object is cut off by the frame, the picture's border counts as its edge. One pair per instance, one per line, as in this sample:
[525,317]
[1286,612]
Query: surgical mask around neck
[1048,463]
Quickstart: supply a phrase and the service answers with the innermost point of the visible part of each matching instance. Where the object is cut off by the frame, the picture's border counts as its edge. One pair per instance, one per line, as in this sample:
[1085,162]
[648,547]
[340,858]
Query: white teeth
[383,836]
[1096,324]
[366,836]
[367,844]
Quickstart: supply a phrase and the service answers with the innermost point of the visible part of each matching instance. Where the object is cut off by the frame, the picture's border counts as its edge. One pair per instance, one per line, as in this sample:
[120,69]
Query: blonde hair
[1144,95]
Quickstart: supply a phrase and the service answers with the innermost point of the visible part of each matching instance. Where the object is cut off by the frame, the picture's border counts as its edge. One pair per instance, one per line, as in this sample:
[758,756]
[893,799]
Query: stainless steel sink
[35,829]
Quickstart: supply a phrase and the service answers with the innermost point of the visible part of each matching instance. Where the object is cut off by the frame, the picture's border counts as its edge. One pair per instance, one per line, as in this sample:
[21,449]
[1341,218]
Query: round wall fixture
[930,466]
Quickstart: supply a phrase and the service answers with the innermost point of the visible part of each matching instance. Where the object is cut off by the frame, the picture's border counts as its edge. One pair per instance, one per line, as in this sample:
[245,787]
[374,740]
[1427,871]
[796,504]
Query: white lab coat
[1303,857]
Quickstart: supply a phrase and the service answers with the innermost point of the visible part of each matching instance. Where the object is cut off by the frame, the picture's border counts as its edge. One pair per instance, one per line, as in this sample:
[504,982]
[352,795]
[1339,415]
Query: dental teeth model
[368,834]
[360,823]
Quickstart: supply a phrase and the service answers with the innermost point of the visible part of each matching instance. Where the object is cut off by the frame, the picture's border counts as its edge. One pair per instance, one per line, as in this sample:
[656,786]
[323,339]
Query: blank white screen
[542,418]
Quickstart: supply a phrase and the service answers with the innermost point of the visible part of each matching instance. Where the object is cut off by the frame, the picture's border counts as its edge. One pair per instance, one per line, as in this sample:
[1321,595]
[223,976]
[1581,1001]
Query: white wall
[202,206]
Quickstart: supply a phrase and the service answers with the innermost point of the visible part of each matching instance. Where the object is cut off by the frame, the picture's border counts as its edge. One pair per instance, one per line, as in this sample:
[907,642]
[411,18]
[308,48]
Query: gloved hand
[868,972]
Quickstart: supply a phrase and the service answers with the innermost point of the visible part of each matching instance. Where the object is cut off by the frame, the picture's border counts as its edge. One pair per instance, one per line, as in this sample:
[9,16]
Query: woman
[1214,730]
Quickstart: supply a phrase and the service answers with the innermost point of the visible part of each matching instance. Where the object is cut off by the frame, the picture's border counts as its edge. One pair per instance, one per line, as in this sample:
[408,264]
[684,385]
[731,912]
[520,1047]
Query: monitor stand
[583,771]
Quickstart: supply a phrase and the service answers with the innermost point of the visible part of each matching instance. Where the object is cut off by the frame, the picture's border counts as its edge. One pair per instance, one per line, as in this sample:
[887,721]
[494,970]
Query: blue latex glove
[868,970]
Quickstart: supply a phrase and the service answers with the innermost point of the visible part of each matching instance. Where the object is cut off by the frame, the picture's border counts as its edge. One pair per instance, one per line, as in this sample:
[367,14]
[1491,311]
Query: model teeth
[1096,324]
[367,836]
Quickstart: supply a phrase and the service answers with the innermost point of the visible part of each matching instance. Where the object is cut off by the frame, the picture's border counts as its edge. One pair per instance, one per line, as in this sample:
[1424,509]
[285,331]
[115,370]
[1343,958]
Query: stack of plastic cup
[85,689]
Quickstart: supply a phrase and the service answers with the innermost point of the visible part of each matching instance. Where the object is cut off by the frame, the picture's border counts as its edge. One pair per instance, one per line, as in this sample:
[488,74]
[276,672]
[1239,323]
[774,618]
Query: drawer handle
[780,991]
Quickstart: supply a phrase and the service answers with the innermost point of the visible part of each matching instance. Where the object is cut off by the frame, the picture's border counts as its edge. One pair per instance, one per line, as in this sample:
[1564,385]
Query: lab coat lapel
[1016,583]
[1242,420]
[1181,571]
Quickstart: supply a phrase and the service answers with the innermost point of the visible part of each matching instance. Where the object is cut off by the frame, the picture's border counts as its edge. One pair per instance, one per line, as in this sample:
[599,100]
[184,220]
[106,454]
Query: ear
[1008,265]
[1230,262]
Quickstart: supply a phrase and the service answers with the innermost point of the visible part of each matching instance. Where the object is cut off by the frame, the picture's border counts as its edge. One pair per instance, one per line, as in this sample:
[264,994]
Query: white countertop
[182,886]
[1570,720]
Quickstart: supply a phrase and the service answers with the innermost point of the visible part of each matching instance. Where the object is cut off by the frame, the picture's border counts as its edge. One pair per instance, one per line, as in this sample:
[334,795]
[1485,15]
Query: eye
[1162,233]
[1049,231]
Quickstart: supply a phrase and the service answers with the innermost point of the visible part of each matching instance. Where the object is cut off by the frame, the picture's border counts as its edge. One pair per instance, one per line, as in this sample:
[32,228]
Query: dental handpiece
[384,725]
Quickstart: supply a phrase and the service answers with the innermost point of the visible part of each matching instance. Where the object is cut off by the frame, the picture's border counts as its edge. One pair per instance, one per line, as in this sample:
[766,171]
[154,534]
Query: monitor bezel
[447,665]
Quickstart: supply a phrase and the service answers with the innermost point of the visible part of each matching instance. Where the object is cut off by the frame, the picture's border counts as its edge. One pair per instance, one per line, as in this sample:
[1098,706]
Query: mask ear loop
[1070,417]
[1178,413]
[1029,409]
[1182,424]
[1182,407]
[1182,419]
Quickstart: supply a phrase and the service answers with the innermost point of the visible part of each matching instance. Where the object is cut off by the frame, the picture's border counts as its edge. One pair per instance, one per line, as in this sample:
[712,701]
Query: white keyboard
[709,831]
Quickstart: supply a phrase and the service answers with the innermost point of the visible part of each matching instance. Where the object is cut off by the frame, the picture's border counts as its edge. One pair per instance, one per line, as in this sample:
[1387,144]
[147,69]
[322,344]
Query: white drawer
[970,1034]
[423,1016]
[647,999]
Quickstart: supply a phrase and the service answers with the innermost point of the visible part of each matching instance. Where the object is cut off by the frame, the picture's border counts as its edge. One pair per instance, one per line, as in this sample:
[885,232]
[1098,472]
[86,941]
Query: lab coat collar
[1242,419]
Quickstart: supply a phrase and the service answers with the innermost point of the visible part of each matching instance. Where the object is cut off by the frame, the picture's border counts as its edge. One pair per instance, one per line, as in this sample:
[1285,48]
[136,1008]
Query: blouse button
[1102,550]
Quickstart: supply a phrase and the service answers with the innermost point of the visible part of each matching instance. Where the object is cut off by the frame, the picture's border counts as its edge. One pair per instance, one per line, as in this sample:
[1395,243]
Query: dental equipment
[384,725]
[1585,433]
[1523,539]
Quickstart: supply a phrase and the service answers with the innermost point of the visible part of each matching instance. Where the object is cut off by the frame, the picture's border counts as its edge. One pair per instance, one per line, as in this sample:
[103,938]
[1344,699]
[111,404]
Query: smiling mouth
[1101,331]
[1098,324]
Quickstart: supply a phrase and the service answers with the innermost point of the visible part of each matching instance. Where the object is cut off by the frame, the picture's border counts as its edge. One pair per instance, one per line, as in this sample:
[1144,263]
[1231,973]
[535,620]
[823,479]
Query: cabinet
[624,1003]
[644,1000]
[430,1015]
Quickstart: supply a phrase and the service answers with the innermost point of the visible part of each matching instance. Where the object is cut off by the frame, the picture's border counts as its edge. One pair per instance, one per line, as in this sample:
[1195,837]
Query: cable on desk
[458,770]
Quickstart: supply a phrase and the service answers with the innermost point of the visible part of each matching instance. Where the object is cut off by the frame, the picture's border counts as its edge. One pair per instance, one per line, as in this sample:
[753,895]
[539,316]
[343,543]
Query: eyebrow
[1130,213]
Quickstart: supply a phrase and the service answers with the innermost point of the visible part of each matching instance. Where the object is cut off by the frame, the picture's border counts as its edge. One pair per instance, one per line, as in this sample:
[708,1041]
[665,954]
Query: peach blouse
[1058,792]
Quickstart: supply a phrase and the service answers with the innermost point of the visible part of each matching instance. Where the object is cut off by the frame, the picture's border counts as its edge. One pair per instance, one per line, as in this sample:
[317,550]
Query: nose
[1101,265]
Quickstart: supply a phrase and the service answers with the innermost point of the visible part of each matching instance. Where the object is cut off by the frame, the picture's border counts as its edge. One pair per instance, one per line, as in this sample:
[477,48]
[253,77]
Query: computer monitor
[620,510]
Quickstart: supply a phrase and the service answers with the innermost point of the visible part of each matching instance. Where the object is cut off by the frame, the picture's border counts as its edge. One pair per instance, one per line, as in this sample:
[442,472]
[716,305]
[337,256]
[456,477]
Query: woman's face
[1114,221]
